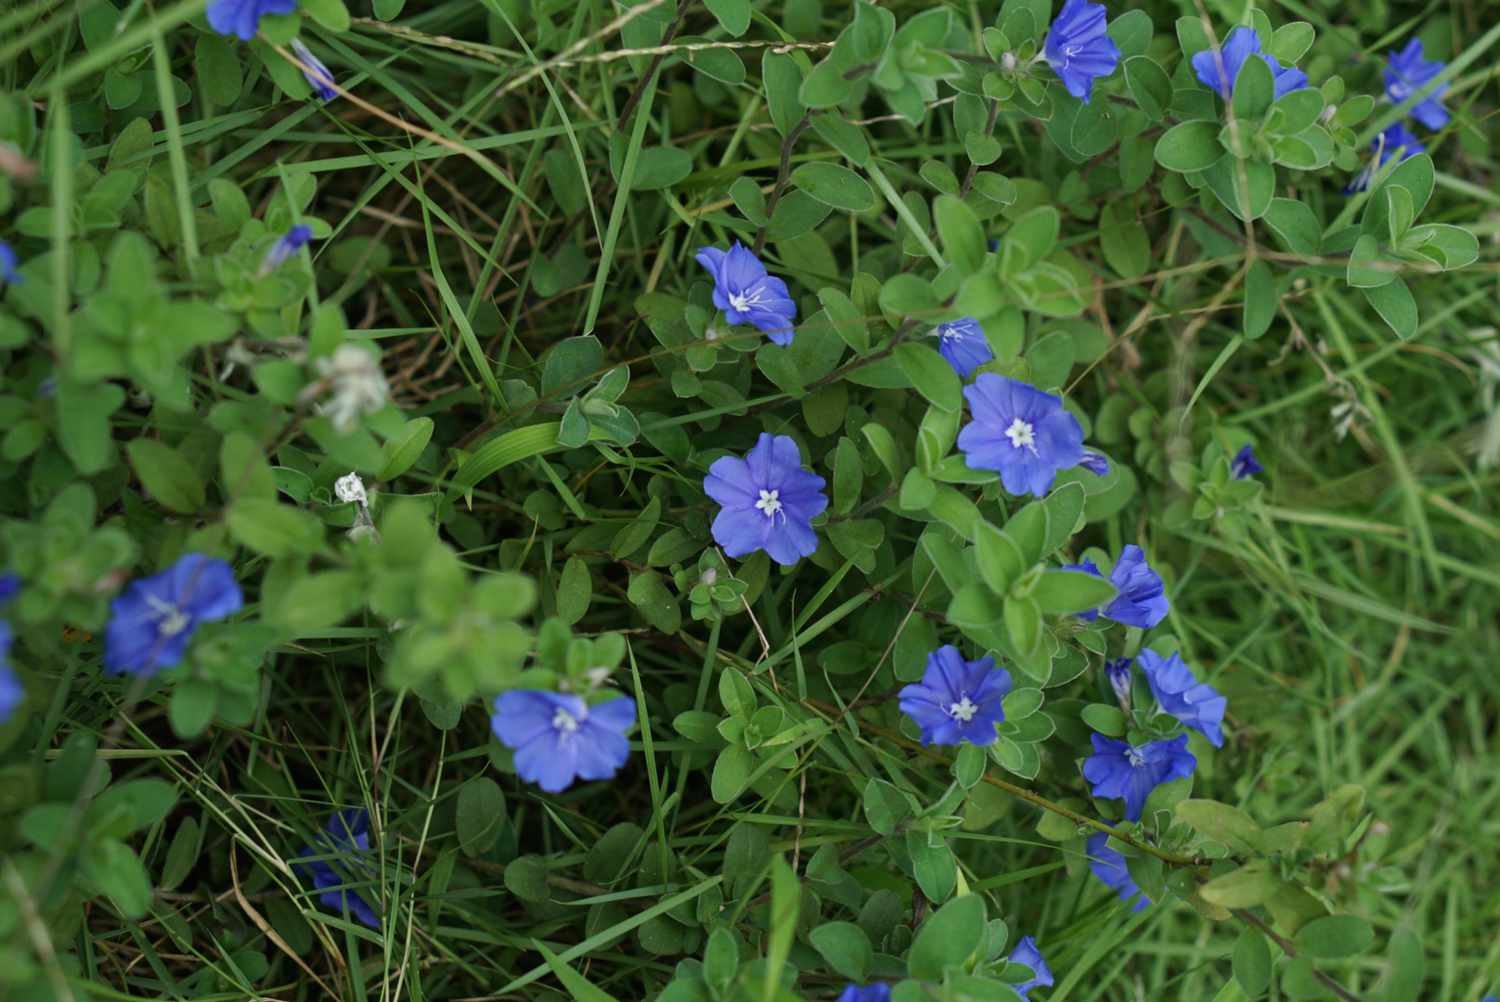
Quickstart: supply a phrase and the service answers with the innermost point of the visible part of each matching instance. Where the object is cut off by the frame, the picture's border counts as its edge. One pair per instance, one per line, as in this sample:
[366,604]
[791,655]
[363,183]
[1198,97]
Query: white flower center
[770,503]
[743,301]
[173,619]
[1072,50]
[963,710]
[564,722]
[1135,757]
[1021,434]
[949,333]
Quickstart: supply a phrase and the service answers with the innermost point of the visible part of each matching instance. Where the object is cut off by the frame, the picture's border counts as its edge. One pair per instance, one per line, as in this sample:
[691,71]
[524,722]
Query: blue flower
[318,75]
[1177,690]
[767,501]
[290,243]
[241,18]
[11,692]
[558,738]
[1220,68]
[1027,953]
[10,586]
[1408,73]
[1078,47]
[877,992]
[1394,139]
[1095,462]
[1118,673]
[152,620]
[1109,866]
[347,835]
[747,294]
[1020,431]
[1140,600]
[1119,770]
[8,261]
[962,343]
[957,700]
[1244,464]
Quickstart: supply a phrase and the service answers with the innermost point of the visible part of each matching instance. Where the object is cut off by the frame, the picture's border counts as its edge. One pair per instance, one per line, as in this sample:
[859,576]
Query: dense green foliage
[500,327]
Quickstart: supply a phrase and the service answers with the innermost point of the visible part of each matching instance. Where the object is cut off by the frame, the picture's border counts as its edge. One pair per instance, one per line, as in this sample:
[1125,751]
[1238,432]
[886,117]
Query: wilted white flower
[351,489]
[357,386]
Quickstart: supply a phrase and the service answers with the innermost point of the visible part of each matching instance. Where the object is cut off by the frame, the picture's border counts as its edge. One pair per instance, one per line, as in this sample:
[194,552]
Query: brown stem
[783,175]
[655,64]
[1250,918]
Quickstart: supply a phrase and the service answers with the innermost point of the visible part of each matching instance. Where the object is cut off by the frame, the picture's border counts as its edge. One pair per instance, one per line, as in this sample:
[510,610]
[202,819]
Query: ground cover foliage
[393,430]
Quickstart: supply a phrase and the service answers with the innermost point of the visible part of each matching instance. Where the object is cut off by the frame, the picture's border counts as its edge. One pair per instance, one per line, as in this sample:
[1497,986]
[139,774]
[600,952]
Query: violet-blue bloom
[1140,598]
[344,840]
[8,261]
[962,343]
[1079,49]
[1177,690]
[1109,866]
[1220,68]
[1119,770]
[11,692]
[1088,567]
[1024,434]
[558,738]
[1244,464]
[1408,73]
[1118,673]
[289,243]
[877,992]
[152,620]
[10,586]
[747,293]
[1026,952]
[1395,140]
[241,18]
[318,75]
[767,501]
[1095,462]
[957,700]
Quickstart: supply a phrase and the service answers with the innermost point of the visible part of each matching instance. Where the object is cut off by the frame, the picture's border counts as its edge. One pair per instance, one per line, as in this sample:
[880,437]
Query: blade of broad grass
[172,128]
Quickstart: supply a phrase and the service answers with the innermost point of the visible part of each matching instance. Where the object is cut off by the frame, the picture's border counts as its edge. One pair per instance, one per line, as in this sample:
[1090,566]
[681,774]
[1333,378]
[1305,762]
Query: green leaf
[1125,242]
[885,806]
[948,938]
[848,476]
[825,86]
[962,236]
[782,80]
[1150,86]
[182,854]
[167,477]
[1032,236]
[276,530]
[1368,268]
[1254,90]
[331,14]
[844,136]
[1023,622]
[1250,885]
[1296,225]
[1396,306]
[731,773]
[1252,963]
[574,590]
[1335,937]
[571,362]
[117,871]
[1104,718]
[845,947]
[403,450]
[733,15]
[1190,146]
[1260,299]
[786,901]
[480,815]
[1000,560]
[83,425]
[1071,591]
[1245,187]
[1222,823]
[721,960]
[931,375]
[845,319]
[580,988]
[835,185]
